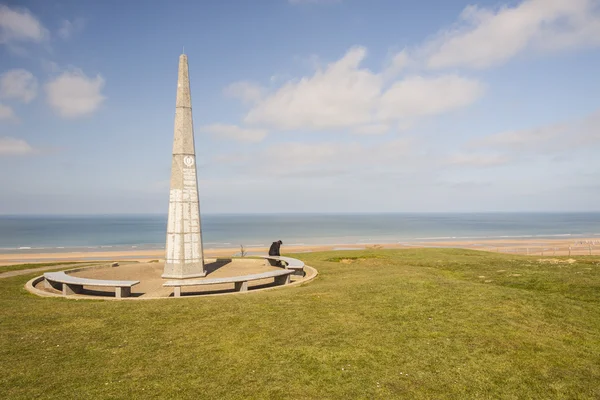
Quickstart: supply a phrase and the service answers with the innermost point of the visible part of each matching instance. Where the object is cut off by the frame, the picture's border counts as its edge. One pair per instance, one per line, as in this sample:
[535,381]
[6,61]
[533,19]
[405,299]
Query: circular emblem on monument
[188,160]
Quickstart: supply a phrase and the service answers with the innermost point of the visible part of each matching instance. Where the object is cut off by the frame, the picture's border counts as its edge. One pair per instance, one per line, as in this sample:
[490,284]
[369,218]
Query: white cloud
[485,37]
[49,67]
[69,28]
[18,84]
[372,129]
[478,160]
[6,113]
[245,91]
[14,147]
[73,94]
[297,154]
[234,132]
[418,96]
[553,138]
[399,62]
[340,96]
[346,96]
[323,159]
[20,25]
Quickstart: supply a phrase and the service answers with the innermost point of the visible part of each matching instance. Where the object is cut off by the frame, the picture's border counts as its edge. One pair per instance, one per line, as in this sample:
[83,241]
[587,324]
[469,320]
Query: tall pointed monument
[184,256]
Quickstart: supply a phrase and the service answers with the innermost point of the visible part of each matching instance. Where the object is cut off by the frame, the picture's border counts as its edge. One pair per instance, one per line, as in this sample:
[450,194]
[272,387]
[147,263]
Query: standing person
[274,251]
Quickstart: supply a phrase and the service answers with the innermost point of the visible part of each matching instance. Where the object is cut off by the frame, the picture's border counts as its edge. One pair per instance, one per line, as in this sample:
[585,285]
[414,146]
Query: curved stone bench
[73,284]
[290,263]
[282,277]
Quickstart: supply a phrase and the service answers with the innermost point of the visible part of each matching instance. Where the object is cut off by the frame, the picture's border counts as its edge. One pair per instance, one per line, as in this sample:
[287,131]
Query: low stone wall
[311,273]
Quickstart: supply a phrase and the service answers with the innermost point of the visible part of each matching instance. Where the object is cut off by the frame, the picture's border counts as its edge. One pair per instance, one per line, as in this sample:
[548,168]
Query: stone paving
[149,275]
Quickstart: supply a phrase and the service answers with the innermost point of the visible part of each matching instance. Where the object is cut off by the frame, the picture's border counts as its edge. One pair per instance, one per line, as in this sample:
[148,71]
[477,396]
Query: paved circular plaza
[151,282]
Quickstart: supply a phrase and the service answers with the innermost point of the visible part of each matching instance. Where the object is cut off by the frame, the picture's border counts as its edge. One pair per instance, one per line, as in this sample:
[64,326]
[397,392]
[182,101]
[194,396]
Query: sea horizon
[30,233]
[296,213]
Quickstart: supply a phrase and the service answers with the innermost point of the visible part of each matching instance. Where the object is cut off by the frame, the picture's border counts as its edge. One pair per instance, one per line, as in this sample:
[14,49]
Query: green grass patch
[350,259]
[418,324]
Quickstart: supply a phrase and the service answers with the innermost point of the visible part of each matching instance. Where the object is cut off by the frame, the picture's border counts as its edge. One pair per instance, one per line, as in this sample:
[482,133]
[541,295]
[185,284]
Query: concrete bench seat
[282,277]
[290,263]
[73,284]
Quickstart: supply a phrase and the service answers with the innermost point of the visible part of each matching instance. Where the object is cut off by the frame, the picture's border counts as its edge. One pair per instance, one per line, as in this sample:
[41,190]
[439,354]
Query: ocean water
[20,234]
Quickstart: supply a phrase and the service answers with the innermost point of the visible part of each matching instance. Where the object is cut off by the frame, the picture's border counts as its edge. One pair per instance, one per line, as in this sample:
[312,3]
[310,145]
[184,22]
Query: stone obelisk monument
[184,258]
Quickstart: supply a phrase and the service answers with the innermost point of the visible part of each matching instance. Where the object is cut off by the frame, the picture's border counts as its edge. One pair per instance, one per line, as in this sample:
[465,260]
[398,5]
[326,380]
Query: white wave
[559,235]
[514,236]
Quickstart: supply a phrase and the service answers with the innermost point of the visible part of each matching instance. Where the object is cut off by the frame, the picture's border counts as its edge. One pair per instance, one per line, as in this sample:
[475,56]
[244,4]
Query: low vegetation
[418,324]
[350,259]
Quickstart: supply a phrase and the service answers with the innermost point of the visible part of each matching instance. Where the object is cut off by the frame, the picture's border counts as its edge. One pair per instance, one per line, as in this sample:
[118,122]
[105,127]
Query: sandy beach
[531,246]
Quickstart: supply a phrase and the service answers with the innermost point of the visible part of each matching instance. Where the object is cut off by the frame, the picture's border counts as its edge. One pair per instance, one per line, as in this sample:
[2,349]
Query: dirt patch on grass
[556,261]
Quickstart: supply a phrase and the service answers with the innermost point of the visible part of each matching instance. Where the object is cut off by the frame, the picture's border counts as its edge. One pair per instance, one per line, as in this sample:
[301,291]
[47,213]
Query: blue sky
[302,105]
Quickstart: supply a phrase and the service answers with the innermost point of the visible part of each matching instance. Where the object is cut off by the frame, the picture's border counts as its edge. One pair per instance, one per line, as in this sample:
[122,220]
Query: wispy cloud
[19,25]
[478,160]
[6,113]
[10,146]
[248,92]
[467,185]
[234,132]
[18,84]
[553,138]
[300,160]
[485,37]
[69,28]
[418,96]
[372,129]
[72,94]
[344,95]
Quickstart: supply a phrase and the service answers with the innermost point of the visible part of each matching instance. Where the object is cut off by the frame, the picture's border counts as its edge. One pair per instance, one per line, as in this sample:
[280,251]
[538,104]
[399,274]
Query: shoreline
[524,246]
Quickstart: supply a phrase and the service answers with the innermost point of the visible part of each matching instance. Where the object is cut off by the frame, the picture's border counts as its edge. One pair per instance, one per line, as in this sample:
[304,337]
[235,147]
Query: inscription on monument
[188,160]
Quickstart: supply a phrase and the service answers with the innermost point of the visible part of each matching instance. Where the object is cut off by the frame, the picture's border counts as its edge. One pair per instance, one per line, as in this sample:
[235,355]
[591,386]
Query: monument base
[186,276]
[184,270]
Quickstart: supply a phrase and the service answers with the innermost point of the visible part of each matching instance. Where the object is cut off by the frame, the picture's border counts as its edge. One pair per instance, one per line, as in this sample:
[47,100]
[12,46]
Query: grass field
[418,324]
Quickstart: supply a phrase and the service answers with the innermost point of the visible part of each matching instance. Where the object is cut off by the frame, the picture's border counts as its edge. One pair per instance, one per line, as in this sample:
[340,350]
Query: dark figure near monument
[274,251]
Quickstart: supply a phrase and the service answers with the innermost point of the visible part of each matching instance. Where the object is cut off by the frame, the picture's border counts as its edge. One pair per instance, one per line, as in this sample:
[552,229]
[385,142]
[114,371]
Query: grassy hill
[419,324]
